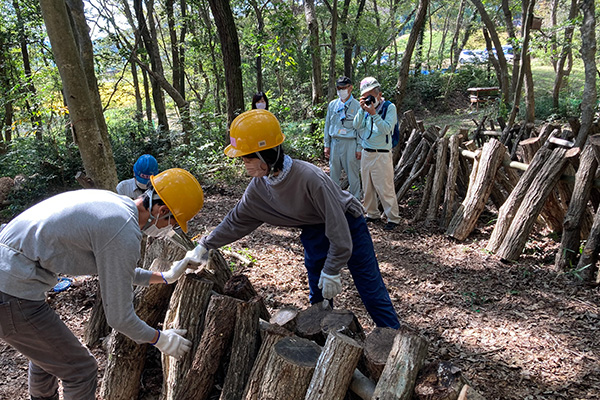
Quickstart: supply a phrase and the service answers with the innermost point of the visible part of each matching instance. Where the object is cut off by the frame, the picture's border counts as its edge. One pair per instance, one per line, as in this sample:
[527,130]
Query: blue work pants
[363,267]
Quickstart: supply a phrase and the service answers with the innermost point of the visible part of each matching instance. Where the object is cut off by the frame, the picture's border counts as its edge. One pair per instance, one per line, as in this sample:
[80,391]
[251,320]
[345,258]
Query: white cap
[367,84]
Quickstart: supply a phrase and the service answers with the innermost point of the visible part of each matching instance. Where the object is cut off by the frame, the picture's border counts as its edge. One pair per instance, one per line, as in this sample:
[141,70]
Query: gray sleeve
[116,274]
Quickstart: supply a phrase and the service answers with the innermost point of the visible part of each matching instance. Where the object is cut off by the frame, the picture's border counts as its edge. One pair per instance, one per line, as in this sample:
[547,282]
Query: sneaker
[374,220]
[390,226]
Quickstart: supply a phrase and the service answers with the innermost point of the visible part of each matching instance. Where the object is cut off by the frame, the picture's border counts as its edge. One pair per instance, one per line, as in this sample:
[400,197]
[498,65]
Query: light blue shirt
[376,132]
[338,122]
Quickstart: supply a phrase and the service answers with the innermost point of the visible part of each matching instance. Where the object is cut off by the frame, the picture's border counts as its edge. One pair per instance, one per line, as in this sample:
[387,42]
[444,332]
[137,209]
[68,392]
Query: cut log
[243,349]
[402,172]
[570,241]
[344,322]
[480,187]
[411,119]
[211,351]
[450,205]
[186,311]
[378,345]
[289,369]
[334,369]
[419,167]
[271,335]
[508,210]
[397,380]
[286,317]
[439,381]
[239,286]
[516,235]
[308,323]
[411,145]
[439,179]
[126,362]
[216,270]
[420,214]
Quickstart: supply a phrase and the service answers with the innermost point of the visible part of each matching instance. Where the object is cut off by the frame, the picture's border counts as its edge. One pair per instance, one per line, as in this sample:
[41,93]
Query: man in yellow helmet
[81,233]
[294,193]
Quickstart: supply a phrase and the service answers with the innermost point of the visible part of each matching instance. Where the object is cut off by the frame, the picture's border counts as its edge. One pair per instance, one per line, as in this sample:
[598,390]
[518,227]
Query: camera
[369,100]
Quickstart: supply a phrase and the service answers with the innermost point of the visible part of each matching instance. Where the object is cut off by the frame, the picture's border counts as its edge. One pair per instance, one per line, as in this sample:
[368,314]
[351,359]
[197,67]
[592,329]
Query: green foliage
[300,142]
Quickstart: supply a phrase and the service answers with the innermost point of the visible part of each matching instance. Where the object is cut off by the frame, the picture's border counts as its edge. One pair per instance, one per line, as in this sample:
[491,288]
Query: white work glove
[330,285]
[172,343]
[198,255]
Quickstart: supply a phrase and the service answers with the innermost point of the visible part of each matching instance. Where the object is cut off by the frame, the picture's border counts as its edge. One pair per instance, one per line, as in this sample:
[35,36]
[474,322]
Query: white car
[468,57]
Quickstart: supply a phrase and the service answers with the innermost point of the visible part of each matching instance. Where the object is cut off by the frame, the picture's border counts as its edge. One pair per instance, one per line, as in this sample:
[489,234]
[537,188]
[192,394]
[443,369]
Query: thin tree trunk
[315,52]
[588,55]
[561,71]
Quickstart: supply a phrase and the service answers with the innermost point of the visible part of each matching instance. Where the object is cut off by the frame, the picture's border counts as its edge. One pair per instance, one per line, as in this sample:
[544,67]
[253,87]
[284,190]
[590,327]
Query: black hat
[343,81]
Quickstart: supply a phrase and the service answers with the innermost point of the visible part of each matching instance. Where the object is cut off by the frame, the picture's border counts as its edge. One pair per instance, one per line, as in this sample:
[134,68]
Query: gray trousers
[37,332]
[343,156]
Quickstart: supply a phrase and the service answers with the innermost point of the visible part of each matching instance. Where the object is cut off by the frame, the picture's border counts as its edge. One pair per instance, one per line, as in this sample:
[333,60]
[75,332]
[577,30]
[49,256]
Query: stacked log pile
[317,353]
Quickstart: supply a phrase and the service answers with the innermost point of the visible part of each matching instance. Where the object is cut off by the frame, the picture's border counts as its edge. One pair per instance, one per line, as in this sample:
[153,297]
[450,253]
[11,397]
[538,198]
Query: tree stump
[186,311]
[126,362]
[289,369]
[215,342]
[516,235]
[404,362]
[334,368]
[479,191]
[272,335]
[308,323]
[344,322]
[239,287]
[378,345]
[439,381]
[243,349]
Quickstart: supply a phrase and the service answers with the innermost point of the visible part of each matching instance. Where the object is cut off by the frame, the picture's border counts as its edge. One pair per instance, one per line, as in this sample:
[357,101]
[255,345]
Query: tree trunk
[232,60]
[566,51]
[214,344]
[408,52]
[334,368]
[272,335]
[403,364]
[289,370]
[588,55]
[450,205]
[186,311]
[315,52]
[126,362]
[544,182]
[331,89]
[479,191]
[567,255]
[96,153]
[439,179]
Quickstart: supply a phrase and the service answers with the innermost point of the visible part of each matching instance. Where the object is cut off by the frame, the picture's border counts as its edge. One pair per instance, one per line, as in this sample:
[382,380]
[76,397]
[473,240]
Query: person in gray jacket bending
[294,193]
[87,232]
[342,144]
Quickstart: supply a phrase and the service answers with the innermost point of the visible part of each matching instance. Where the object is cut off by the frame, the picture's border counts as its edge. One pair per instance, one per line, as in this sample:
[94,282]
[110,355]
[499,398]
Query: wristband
[166,283]
[158,337]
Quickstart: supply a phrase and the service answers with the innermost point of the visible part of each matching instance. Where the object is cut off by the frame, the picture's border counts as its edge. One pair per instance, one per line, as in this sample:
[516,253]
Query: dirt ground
[517,331]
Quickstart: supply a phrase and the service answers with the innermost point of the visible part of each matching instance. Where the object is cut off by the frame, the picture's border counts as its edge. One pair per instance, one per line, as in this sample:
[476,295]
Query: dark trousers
[363,267]
[54,352]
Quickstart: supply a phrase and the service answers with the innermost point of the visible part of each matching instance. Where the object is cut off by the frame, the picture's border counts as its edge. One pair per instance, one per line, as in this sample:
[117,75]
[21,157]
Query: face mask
[161,233]
[343,94]
[141,185]
[261,106]
[254,167]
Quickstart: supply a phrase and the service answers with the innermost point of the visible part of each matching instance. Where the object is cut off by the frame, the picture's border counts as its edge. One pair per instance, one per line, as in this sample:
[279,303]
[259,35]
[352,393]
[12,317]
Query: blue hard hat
[144,168]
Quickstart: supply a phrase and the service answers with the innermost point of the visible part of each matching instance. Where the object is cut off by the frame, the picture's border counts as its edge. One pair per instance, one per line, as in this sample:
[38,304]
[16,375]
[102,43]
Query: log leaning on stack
[480,187]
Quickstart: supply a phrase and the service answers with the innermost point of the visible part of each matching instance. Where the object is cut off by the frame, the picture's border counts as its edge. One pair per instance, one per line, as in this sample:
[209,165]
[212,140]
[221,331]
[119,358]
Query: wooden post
[426,194]
[186,311]
[569,246]
[289,370]
[449,204]
[216,339]
[478,193]
[420,165]
[403,364]
[438,180]
[516,235]
[334,369]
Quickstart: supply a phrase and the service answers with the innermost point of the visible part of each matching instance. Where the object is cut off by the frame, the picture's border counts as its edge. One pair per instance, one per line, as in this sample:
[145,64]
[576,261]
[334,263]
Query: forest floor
[517,331]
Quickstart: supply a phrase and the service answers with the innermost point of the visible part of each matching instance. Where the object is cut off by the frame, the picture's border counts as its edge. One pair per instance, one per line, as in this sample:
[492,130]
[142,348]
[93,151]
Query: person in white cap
[376,161]
[342,146]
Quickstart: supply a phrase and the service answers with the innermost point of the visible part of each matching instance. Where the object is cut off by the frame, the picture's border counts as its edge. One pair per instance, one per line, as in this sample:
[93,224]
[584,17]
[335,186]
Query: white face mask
[254,167]
[141,185]
[162,233]
[343,94]
[261,106]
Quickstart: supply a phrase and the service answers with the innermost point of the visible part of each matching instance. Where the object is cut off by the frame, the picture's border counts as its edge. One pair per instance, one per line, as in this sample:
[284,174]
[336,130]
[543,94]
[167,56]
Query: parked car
[468,57]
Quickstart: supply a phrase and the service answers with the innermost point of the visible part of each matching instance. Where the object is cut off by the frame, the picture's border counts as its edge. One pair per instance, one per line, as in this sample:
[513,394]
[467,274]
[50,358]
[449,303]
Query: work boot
[390,226]
[373,220]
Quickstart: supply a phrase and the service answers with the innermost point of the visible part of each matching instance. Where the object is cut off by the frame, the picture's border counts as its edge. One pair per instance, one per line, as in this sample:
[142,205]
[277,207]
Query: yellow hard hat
[253,131]
[181,192]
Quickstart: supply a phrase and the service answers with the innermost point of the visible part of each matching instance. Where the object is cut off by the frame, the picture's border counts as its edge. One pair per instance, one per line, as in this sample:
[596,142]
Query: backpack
[396,130]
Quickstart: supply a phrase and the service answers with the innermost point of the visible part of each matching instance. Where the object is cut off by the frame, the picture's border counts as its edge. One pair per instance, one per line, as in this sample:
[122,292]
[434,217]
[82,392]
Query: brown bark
[419,167]
[186,311]
[479,191]
[334,368]
[315,51]
[404,362]
[426,194]
[212,349]
[216,270]
[343,322]
[286,318]
[449,205]
[308,323]
[240,287]
[439,381]
[441,171]
[378,345]
[289,369]
[548,176]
